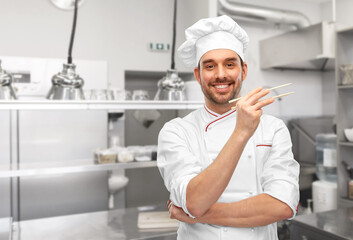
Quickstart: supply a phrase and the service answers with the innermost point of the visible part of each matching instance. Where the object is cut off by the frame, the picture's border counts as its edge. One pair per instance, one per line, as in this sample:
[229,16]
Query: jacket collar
[210,112]
[211,117]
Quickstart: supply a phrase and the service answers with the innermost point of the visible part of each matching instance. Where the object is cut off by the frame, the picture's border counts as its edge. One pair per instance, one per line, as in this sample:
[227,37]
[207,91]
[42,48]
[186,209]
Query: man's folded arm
[256,211]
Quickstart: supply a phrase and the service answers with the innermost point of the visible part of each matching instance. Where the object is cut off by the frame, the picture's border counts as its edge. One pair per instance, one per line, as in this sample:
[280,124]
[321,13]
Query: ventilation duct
[254,13]
[309,47]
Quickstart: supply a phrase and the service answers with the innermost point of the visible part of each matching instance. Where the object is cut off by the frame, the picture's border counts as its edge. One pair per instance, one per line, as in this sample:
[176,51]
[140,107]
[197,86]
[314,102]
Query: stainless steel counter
[336,224]
[117,224]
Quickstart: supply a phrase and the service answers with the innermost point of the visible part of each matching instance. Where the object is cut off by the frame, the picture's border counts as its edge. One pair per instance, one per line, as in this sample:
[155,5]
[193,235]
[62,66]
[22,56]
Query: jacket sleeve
[280,174]
[176,162]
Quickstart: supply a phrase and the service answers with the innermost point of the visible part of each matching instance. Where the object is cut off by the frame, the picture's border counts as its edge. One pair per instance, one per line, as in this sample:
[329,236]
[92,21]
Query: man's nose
[221,73]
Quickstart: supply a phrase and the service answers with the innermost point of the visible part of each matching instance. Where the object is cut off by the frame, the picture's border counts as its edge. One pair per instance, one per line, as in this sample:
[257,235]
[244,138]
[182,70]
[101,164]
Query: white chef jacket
[186,146]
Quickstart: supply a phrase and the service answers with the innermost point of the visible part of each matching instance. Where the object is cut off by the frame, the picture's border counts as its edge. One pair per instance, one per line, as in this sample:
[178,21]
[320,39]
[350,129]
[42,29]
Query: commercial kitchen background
[118,33]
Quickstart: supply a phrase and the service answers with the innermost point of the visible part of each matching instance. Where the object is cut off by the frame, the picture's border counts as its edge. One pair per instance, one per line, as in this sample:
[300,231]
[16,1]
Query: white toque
[212,33]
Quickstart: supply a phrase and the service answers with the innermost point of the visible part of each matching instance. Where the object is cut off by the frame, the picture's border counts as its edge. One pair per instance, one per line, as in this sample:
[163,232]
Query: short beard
[238,85]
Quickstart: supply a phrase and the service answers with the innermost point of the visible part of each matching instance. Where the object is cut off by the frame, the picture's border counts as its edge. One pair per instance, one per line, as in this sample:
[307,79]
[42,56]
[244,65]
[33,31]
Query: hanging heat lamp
[66,4]
[67,85]
[171,87]
[6,90]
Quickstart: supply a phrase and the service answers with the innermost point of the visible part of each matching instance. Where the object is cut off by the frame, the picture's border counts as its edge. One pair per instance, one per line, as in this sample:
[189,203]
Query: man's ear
[197,75]
[245,70]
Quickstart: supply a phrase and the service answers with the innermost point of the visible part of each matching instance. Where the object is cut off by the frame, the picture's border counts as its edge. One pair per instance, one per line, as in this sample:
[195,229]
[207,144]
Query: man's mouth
[222,87]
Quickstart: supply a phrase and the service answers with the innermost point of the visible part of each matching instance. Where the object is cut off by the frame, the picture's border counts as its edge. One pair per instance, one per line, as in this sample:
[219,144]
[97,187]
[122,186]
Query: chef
[230,173]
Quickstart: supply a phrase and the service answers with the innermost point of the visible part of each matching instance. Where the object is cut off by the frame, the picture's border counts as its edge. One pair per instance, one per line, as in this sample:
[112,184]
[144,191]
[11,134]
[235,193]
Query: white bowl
[348,132]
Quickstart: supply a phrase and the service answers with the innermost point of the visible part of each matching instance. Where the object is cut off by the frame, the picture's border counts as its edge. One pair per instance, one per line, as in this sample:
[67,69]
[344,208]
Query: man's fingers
[169,205]
[252,92]
[263,103]
[255,97]
[170,209]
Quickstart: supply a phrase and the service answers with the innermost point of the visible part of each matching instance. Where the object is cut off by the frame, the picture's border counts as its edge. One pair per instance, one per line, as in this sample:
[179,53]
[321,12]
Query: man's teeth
[221,86]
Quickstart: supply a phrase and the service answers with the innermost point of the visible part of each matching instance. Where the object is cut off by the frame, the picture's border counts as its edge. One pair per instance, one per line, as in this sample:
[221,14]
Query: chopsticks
[278,96]
[282,95]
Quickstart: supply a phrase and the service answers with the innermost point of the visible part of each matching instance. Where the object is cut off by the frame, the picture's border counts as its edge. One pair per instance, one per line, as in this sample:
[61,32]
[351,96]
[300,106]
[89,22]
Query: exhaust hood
[308,48]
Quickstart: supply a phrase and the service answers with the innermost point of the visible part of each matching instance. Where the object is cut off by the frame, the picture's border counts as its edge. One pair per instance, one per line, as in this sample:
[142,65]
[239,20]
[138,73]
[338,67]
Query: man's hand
[177,213]
[249,110]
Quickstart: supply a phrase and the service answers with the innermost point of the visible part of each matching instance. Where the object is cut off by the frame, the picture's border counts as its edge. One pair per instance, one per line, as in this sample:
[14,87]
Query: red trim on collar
[218,119]
[263,145]
[209,111]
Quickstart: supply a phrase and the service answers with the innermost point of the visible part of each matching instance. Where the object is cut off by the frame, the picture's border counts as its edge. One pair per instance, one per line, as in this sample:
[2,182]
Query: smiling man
[230,173]
[222,74]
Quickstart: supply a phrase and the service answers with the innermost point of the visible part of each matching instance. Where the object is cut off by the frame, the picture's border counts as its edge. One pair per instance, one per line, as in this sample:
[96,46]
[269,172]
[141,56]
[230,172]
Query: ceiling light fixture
[66,4]
[6,90]
[67,85]
[171,87]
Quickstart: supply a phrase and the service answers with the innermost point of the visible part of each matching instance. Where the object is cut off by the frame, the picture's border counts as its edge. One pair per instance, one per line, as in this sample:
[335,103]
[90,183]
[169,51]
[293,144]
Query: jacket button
[225,230]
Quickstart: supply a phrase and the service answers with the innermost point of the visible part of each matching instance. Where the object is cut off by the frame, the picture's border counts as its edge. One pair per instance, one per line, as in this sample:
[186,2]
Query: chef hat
[212,33]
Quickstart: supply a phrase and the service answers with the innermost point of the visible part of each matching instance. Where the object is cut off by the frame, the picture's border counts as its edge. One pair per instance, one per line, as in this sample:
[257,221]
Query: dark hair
[241,62]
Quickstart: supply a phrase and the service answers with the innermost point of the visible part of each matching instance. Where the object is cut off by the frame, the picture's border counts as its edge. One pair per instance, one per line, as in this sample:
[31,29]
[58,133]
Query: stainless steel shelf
[95,105]
[344,29]
[345,201]
[76,166]
[348,144]
[345,86]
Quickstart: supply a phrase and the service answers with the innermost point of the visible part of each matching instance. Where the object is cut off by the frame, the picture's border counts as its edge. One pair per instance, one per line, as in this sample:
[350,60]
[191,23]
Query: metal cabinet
[19,177]
[304,232]
[344,94]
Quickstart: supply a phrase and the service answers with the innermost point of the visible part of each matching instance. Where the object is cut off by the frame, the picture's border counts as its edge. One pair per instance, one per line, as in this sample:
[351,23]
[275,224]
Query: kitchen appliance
[67,85]
[171,87]
[6,90]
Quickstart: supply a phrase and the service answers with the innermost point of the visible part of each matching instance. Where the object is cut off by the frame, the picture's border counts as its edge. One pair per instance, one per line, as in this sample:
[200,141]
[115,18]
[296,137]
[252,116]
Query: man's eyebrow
[226,60]
[231,59]
[207,61]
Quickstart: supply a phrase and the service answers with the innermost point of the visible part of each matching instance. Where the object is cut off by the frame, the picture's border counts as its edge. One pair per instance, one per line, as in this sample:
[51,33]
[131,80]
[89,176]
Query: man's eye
[230,64]
[209,66]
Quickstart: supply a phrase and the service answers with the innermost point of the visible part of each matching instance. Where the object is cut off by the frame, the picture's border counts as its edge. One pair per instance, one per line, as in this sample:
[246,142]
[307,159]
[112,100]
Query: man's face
[220,75]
